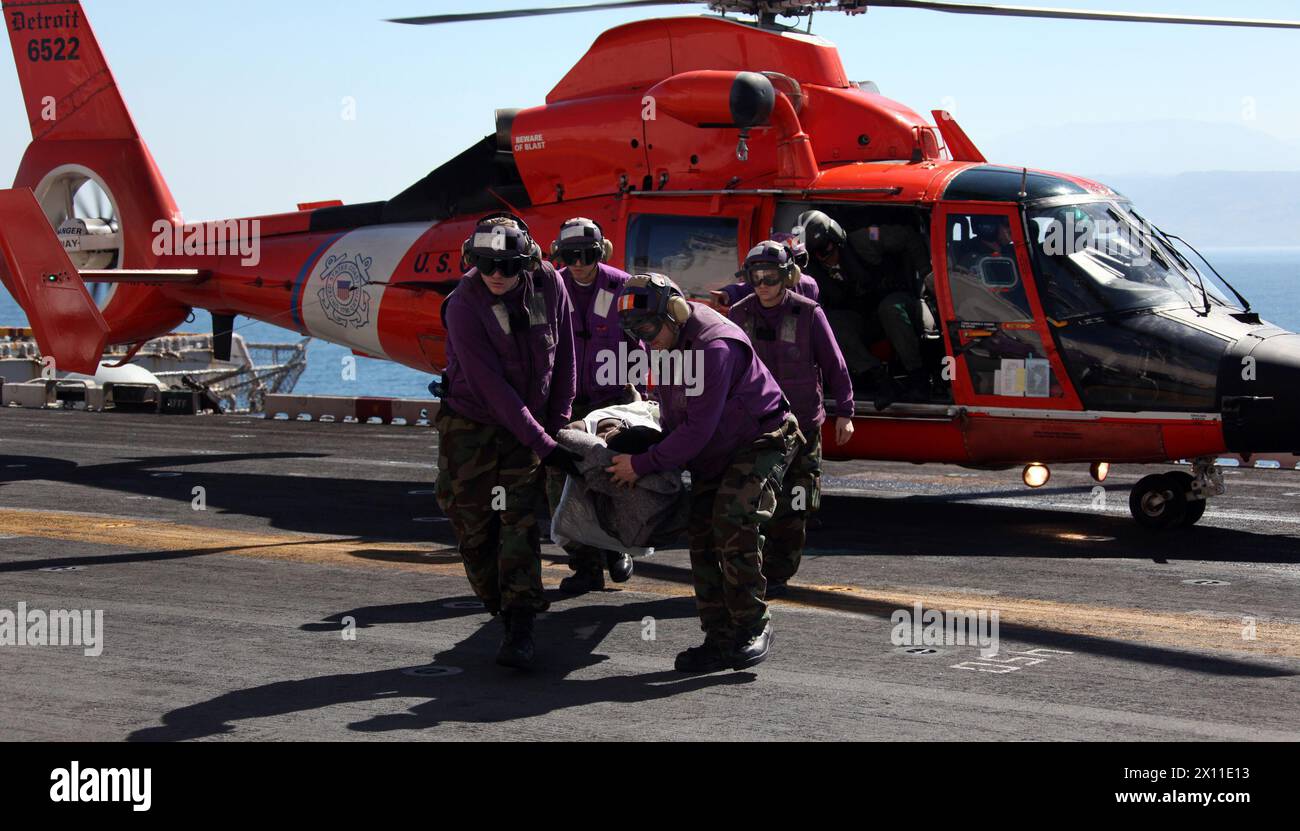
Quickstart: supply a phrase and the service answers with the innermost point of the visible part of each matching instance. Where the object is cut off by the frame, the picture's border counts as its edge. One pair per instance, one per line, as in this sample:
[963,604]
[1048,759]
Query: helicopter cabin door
[1002,352]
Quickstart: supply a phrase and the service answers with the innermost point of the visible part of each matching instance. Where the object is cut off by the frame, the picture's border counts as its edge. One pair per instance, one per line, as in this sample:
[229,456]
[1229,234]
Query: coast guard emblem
[343,297]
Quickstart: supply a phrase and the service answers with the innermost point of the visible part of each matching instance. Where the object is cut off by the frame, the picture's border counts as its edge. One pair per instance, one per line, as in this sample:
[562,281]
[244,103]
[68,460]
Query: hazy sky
[241,101]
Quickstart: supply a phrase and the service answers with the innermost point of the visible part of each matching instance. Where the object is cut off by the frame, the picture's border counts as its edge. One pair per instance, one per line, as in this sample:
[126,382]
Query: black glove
[562,459]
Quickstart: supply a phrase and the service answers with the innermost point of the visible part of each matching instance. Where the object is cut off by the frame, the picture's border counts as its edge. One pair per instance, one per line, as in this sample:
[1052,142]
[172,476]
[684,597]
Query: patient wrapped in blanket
[595,511]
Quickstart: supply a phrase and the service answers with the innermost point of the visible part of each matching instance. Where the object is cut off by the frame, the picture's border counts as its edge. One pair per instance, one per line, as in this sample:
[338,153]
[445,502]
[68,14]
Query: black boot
[585,580]
[752,649]
[777,588]
[517,646]
[620,566]
[711,656]
[886,390]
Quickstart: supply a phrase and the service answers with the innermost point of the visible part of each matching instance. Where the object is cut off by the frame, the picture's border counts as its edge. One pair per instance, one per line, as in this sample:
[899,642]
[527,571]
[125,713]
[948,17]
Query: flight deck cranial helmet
[583,241]
[769,264]
[500,244]
[797,250]
[648,302]
[819,232]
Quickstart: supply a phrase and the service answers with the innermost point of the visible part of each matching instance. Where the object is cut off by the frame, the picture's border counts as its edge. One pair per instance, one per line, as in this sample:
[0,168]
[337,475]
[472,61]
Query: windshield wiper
[1160,236]
[1244,302]
[1166,254]
[1167,264]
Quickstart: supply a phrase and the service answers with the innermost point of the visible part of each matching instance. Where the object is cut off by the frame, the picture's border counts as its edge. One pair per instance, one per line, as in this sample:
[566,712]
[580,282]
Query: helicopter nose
[1260,387]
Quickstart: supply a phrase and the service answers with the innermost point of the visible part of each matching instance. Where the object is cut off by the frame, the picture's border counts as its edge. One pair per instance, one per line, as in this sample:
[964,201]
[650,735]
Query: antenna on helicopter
[766,11]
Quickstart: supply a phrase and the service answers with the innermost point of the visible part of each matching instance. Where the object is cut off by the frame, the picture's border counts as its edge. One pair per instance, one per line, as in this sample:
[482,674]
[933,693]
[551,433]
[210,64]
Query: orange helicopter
[1057,324]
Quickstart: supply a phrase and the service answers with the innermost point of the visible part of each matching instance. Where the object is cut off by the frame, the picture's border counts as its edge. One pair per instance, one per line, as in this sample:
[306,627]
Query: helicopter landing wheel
[1159,501]
[1195,508]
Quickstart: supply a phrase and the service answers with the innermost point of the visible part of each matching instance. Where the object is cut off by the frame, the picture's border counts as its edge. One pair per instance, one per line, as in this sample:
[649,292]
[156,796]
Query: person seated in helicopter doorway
[866,299]
[593,284]
[793,338]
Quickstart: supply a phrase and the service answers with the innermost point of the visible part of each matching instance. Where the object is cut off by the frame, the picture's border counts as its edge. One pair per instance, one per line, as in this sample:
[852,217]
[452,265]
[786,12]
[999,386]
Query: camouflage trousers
[726,537]
[489,486]
[800,497]
[582,558]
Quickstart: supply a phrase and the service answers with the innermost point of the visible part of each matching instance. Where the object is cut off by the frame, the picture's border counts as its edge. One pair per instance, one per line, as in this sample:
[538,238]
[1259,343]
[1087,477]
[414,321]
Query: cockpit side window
[997,337]
[982,272]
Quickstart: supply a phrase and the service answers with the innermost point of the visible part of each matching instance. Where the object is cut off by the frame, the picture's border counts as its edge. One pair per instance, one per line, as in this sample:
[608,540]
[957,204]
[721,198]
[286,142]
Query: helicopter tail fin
[92,175]
[67,86]
[67,323]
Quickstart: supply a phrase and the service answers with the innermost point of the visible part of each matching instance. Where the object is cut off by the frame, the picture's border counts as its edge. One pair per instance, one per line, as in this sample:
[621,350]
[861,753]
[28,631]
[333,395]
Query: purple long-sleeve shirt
[596,329]
[500,378]
[690,439]
[827,355]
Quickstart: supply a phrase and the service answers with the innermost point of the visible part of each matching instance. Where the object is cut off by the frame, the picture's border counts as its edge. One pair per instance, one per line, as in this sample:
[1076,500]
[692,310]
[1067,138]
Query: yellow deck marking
[1169,629]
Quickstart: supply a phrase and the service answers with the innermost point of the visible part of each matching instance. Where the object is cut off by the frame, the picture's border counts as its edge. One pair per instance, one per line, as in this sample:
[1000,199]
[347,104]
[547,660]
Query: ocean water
[1268,277]
[327,373]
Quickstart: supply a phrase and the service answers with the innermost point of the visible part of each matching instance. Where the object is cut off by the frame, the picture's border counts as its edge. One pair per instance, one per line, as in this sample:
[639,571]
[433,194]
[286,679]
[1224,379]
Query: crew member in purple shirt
[791,335]
[593,285]
[508,388]
[726,422]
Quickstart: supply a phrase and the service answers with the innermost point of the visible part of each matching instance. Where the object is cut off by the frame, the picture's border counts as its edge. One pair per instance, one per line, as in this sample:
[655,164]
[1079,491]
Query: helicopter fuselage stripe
[296,303]
[340,298]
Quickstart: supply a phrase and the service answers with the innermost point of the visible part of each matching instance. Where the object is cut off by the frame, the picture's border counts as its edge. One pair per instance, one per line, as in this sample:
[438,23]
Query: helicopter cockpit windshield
[1121,298]
[1103,258]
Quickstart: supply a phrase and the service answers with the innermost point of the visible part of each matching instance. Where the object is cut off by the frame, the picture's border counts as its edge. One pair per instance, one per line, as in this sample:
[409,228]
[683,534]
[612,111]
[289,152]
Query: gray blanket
[595,511]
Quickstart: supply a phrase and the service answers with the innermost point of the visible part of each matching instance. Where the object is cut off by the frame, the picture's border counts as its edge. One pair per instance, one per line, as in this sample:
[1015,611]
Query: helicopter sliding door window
[699,253]
[1003,352]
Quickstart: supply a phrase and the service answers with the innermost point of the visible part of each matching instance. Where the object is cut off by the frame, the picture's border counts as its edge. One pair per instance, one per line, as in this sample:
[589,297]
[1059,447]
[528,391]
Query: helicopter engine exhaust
[744,100]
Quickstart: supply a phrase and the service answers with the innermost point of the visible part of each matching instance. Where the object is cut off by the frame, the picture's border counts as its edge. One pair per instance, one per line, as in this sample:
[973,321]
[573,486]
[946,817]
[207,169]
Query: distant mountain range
[1245,191]
[1152,148]
[1219,209]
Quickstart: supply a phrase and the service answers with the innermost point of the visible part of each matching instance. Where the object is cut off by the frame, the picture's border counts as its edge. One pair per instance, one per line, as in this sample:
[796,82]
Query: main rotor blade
[1082,14]
[501,15]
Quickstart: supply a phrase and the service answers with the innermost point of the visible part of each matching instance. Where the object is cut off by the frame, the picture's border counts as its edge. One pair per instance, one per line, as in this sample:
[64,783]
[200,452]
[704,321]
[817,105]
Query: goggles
[507,267]
[764,275]
[586,256]
[645,327]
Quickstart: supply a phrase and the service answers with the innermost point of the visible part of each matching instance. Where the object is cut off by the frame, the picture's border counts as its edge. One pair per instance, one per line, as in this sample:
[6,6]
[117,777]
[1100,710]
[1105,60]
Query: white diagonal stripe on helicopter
[341,299]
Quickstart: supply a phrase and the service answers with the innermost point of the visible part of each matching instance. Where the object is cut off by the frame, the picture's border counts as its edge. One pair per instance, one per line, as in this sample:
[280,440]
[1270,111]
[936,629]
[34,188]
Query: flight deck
[264,579]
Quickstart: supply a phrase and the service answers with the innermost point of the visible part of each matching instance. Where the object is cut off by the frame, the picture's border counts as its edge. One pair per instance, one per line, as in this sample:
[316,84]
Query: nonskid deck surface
[233,622]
